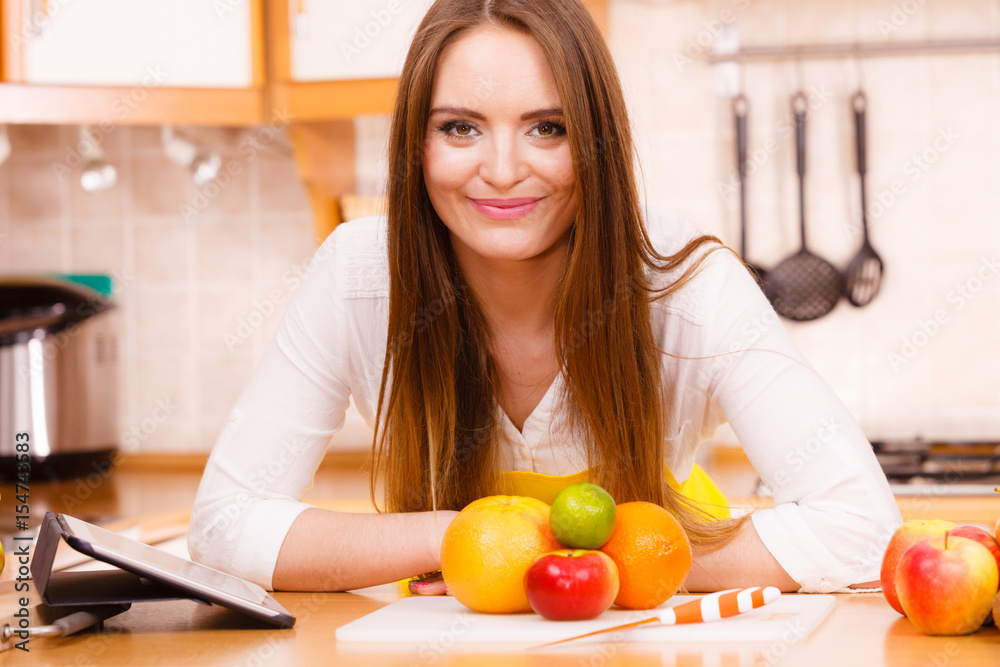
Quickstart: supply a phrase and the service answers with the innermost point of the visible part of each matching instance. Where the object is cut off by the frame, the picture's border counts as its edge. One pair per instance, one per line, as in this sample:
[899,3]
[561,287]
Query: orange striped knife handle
[716,606]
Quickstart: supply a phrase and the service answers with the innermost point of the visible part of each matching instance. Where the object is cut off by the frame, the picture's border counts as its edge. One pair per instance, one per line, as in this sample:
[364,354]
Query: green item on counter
[99,282]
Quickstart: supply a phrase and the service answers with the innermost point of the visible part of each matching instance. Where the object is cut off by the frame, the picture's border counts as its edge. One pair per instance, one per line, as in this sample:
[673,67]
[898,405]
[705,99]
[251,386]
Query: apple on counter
[571,584]
[947,585]
[979,535]
[906,536]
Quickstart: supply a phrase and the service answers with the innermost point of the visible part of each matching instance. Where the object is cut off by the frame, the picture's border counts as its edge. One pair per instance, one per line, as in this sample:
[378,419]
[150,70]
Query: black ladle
[804,286]
[740,108]
[863,276]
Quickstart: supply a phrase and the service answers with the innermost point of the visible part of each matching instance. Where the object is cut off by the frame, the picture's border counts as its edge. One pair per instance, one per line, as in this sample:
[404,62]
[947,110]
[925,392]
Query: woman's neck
[517,297]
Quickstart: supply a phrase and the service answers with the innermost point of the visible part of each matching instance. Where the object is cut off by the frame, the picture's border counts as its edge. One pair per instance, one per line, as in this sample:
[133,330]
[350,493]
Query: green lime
[583,516]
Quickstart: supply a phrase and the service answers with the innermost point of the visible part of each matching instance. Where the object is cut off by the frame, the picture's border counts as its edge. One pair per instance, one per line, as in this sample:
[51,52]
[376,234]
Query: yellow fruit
[489,546]
[652,553]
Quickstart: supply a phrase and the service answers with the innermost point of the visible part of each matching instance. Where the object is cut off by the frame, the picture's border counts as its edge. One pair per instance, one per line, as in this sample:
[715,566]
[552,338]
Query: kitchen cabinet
[180,44]
[364,39]
[126,62]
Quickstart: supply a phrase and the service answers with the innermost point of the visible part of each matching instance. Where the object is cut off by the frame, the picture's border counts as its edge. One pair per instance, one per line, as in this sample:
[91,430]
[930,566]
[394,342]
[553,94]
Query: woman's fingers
[431,583]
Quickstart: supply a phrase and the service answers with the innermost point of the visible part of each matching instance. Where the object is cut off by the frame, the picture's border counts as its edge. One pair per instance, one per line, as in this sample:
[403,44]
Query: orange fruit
[489,546]
[652,553]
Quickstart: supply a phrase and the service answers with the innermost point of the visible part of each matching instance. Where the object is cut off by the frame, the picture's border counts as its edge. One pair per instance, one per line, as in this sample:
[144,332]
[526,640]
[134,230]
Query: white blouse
[833,511]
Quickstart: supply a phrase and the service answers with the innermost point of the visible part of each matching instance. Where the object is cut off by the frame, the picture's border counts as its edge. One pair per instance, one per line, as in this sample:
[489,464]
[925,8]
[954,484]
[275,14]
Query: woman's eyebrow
[542,113]
[458,111]
[470,113]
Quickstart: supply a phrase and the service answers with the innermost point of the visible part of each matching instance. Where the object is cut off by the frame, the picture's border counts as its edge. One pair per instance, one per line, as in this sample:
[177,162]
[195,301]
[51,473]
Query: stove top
[948,468]
[921,468]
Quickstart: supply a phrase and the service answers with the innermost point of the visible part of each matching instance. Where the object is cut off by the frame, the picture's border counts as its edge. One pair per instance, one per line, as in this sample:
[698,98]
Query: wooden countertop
[862,629]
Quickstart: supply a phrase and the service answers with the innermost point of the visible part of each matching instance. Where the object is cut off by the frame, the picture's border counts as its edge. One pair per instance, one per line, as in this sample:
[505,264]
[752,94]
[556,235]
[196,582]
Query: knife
[711,607]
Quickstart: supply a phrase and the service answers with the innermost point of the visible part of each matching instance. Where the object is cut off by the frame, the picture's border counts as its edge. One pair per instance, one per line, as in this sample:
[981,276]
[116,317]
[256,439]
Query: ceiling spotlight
[203,163]
[97,175]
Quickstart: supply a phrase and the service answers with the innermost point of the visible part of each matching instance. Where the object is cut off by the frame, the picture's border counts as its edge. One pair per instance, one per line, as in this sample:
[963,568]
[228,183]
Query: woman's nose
[504,164]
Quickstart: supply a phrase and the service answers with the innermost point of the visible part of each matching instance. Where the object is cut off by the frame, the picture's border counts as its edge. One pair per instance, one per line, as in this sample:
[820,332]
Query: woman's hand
[431,583]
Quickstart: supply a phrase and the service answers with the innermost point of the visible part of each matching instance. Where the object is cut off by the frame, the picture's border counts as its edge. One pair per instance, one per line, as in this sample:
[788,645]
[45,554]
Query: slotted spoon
[863,276]
[804,286]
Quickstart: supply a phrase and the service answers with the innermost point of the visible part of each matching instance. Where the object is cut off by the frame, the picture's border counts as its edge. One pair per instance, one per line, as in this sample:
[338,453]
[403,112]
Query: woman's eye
[549,129]
[457,128]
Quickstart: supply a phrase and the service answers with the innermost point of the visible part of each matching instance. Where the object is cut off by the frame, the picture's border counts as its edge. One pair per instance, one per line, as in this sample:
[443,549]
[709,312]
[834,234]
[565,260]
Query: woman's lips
[506,209]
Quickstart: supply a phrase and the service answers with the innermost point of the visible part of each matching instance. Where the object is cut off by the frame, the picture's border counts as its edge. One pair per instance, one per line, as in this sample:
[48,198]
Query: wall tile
[163,252]
[97,248]
[290,246]
[39,189]
[160,187]
[228,194]
[224,319]
[163,317]
[819,22]
[880,21]
[36,247]
[950,19]
[225,251]
[280,187]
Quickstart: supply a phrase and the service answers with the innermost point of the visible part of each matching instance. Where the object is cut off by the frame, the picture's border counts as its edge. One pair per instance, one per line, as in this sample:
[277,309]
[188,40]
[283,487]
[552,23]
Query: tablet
[195,580]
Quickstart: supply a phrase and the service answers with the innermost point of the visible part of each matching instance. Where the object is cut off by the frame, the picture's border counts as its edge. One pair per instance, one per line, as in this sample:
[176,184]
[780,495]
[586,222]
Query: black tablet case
[99,587]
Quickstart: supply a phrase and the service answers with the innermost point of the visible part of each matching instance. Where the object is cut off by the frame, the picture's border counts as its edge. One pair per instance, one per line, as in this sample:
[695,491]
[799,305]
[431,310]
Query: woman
[516,325]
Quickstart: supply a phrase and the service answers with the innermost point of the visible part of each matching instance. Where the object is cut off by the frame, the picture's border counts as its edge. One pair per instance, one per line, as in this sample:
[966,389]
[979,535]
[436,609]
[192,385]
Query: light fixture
[97,175]
[4,144]
[203,163]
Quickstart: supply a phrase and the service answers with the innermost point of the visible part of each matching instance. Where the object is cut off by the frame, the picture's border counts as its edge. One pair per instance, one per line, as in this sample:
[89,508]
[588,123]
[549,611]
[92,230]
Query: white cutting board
[425,618]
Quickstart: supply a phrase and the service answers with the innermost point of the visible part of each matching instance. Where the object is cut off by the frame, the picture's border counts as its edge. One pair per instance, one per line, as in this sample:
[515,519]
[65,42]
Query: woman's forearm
[744,561]
[335,551]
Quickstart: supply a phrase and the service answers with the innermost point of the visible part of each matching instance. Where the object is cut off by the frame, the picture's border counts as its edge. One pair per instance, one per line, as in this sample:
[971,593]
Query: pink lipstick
[506,209]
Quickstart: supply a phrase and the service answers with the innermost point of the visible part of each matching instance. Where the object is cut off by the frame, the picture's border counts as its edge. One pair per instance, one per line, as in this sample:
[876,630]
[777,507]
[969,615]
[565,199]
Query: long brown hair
[439,384]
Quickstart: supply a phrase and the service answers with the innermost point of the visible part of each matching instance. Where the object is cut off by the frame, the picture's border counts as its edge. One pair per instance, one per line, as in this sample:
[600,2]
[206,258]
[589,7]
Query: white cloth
[833,511]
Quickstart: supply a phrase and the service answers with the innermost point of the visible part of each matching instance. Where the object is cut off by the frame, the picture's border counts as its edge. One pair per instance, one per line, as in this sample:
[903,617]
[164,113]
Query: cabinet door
[358,39]
[167,43]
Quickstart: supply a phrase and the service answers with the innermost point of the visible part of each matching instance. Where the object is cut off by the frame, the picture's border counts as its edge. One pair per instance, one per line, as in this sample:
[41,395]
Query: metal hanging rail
[856,50]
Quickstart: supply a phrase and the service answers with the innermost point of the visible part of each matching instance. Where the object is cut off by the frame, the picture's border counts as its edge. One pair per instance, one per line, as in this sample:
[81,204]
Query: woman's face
[497,162]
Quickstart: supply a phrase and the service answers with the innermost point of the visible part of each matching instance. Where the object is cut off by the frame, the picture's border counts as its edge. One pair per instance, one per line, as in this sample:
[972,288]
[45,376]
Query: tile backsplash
[195,267]
[201,274]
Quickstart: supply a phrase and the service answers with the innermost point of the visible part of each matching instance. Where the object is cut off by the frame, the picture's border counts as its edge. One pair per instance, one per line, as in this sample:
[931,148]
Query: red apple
[571,584]
[981,536]
[996,610]
[947,584]
[906,536]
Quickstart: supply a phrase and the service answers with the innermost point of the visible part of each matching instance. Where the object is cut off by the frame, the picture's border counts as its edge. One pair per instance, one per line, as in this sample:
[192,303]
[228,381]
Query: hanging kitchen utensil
[711,607]
[863,276]
[740,108]
[804,286]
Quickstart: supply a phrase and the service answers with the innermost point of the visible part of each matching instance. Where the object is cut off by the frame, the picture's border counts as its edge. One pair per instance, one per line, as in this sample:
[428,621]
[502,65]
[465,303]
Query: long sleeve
[278,431]
[834,512]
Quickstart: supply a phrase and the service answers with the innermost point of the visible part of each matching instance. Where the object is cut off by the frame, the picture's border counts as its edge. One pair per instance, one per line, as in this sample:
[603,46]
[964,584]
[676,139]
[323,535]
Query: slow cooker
[58,375]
